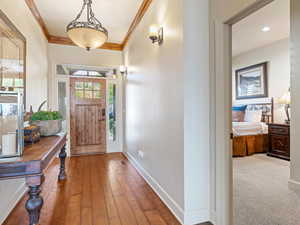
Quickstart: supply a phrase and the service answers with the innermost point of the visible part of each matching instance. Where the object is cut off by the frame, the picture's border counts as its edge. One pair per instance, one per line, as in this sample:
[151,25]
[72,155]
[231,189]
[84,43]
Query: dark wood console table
[31,165]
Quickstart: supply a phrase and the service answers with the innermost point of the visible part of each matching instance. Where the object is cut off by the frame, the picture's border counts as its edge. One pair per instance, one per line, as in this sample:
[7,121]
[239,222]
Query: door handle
[103,116]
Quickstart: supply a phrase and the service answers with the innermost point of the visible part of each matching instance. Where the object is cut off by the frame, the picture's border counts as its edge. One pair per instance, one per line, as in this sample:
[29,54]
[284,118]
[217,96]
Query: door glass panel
[88,94]
[78,85]
[97,94]
[112,111]
[62,99]
[62,103]
[79,93]
[97,86]
[88,85]
[87,89]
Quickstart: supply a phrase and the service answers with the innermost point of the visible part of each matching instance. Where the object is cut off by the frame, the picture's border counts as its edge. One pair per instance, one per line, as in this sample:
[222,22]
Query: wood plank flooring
[100,190]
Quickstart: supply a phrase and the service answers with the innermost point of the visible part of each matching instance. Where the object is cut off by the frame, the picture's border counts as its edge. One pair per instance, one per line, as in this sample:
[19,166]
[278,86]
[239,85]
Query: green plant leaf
[46,115]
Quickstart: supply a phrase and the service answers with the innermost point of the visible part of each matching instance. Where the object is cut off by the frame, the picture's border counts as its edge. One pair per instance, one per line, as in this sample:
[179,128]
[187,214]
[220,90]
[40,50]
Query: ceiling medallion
[88,34]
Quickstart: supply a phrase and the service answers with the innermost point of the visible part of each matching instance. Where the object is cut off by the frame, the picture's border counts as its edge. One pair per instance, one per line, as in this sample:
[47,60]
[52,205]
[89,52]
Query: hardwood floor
[100,190]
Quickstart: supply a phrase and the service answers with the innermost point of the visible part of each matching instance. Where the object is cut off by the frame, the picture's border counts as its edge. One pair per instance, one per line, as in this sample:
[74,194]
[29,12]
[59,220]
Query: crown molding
[35,12]
[66,41]
[137,19]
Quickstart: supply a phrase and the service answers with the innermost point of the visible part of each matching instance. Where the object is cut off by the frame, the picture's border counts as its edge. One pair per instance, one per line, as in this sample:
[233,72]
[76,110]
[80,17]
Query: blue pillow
[240,108]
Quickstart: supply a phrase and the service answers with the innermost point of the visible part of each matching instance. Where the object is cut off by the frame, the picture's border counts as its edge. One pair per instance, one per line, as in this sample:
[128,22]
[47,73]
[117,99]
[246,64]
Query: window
[89,73]
[12,83]
[91,90]
[62,98]
[112,111]
[75,71]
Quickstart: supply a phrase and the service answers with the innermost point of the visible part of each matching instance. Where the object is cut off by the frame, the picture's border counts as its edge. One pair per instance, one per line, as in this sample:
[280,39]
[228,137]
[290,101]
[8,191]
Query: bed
[250,136]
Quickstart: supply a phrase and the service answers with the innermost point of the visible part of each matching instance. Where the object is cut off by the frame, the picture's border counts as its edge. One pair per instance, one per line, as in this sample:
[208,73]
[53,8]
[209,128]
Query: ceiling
[115,15]
[247,34]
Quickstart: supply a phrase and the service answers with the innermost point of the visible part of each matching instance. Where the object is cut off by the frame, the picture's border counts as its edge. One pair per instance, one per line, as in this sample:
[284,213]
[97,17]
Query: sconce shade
[122,69]
[153,30]
[156,34]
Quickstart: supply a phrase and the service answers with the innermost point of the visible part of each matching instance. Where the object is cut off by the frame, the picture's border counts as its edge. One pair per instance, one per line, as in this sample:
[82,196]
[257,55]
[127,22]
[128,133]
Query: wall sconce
[156,34]
[123,69]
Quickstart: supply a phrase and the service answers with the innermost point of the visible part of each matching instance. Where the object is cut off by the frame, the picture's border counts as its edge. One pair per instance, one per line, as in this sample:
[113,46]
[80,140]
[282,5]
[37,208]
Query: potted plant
[50,122]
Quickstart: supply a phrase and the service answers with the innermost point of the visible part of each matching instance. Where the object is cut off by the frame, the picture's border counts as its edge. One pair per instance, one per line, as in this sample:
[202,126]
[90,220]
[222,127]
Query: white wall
[154,74]
[36,81]
[197,101]
[295,94]
[167,102]
[277,55]
[154,102]
[64,54]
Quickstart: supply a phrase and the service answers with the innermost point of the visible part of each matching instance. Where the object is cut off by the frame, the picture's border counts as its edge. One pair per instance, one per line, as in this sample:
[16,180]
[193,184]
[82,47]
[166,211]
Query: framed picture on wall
[12,57]
[252,81]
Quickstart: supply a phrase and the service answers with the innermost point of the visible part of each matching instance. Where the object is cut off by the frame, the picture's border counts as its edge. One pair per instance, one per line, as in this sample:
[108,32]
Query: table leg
[62,156]
[35,201]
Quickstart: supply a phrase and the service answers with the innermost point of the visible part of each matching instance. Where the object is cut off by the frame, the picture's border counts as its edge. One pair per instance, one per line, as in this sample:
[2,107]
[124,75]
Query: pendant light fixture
[88,34]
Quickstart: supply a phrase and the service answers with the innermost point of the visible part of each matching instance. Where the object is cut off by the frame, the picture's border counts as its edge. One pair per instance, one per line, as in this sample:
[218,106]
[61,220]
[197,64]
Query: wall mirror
[12,57]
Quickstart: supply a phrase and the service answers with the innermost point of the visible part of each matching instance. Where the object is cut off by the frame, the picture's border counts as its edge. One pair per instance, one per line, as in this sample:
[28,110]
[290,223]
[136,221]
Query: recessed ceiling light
[266,29]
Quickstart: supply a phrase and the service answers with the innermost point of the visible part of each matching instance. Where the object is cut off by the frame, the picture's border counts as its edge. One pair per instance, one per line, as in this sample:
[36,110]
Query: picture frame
[252,81]
[12,57]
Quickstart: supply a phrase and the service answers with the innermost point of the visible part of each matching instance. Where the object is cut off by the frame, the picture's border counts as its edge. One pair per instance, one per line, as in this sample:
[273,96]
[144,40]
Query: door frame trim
[52,93]
[223,96]
[93,102]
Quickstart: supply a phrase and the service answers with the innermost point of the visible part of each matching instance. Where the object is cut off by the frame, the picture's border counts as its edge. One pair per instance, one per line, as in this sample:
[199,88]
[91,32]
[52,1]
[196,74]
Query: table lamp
[286,101]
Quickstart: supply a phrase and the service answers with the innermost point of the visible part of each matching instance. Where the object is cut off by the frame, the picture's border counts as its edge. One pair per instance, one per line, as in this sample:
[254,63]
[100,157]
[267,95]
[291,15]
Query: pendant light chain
[91,21]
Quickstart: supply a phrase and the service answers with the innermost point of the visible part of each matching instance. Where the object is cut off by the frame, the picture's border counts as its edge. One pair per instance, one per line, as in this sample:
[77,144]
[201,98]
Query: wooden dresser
[279,141]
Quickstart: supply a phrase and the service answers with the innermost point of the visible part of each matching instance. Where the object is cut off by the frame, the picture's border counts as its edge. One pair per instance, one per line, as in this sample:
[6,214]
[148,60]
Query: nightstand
[279,141]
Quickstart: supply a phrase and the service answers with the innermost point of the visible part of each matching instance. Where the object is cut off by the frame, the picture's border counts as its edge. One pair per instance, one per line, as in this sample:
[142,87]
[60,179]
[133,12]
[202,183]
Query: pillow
[241,108]
[238,113]
[253,116]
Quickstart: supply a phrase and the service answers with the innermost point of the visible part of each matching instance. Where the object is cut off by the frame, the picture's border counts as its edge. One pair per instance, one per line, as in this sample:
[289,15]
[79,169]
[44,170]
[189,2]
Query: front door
[88,122]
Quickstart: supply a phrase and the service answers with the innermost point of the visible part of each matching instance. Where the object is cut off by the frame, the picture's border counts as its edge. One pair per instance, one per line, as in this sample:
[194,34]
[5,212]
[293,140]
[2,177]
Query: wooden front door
[88,122]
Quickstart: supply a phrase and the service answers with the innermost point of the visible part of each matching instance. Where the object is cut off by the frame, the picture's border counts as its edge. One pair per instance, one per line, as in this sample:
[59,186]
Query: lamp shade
[153,30]
[285,99]
[87,37]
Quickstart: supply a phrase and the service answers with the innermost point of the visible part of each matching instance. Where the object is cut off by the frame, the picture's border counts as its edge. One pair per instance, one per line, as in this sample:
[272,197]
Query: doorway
[223,68]
[87,115]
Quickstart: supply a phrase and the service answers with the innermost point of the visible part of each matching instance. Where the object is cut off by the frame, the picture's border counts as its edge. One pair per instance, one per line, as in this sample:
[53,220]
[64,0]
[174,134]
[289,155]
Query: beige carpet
[261,193]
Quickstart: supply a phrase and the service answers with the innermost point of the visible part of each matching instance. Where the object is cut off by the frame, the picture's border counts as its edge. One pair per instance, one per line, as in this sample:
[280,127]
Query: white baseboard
[164,196]
[213,217]
[294,185]
[196,217]
[13,202]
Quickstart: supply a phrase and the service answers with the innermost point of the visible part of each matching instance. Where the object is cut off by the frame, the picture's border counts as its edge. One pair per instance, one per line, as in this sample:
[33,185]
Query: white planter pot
[48,127]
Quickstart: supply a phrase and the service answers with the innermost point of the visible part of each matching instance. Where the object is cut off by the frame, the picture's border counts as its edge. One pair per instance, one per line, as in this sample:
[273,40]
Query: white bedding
[249,128]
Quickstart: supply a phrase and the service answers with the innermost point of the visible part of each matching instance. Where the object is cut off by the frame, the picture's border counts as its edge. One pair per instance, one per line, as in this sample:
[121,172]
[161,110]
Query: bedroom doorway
[260,114]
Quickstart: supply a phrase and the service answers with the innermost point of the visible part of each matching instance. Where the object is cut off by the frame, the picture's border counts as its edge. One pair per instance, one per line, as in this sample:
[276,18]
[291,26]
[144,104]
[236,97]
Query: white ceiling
[248,35]
[115,15]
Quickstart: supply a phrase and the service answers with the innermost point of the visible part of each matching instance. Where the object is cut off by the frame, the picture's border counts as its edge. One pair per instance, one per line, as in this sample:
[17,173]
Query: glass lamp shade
[87,37]
[285,99]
